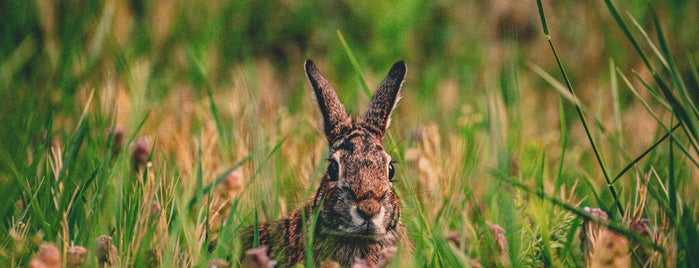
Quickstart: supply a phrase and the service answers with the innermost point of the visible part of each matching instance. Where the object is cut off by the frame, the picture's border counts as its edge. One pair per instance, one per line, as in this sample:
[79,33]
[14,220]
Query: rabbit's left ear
[378,117]
[335,119]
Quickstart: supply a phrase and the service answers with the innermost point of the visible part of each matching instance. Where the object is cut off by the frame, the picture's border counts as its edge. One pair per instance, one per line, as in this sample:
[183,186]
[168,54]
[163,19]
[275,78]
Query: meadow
[529,133]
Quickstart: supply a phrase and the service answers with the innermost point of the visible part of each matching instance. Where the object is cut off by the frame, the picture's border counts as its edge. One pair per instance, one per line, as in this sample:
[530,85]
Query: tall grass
[169,127]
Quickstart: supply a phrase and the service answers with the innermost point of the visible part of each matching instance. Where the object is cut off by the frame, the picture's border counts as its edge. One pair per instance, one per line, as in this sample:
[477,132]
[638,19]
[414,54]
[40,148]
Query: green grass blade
[658,120]
[642,155]
[627,33]
[309,234]
[207,189]
[256,229]
[564,145]
[680,112]
[580,213]
[678,109]
[662,59]
[617,102]
[199,190]
[653,93]
[542,16]
[199,71]
[73,149]
[676,75]
[138,128]
[688,235]
[581,115]
[693,69]
[355,65]
[672,188]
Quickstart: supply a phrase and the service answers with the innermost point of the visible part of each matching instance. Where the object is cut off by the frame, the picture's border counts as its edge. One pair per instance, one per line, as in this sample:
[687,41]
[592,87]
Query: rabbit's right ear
[335,119]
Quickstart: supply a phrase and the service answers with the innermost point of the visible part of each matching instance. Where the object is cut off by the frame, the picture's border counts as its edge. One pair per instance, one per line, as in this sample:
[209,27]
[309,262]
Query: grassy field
[562,133]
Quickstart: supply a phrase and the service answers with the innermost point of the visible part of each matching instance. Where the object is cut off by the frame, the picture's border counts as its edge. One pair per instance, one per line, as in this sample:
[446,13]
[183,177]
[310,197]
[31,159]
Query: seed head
[140,151]
[453,237]
[218,263]
[232,184]
[258,258]
[106,252]
[48,256]
[497,234]
[117,135]
[154,209]
[76,256]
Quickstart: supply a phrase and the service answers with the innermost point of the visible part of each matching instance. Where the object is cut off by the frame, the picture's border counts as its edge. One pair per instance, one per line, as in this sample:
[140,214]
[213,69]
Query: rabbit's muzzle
[366,220]
[368,208]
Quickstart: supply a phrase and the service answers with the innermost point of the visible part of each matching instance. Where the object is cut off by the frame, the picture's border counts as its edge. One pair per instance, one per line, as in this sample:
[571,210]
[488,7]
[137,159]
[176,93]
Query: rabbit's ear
[378,117]
[335,119]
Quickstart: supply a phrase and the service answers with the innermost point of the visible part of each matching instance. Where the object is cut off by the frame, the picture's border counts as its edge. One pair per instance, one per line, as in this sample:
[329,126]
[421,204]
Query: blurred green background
[472,104]
[53,49]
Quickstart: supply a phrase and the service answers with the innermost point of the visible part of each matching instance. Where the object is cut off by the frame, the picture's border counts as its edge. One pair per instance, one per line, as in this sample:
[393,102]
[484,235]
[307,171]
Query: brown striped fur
[358,210]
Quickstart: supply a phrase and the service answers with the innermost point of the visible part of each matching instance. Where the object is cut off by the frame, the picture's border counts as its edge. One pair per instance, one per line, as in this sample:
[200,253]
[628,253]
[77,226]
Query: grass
[166,125]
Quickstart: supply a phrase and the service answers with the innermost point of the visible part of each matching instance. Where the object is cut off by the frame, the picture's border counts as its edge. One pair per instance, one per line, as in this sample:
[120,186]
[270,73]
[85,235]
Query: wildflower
[257,258]
[106,252]
[140,152]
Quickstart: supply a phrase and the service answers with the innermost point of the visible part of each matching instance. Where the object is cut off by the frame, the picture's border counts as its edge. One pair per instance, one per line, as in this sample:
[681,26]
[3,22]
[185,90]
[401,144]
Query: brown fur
[358,210]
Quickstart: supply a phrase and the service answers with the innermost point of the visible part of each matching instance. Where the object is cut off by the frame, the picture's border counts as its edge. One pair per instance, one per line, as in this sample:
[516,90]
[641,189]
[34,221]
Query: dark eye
[333,170]
[391,171]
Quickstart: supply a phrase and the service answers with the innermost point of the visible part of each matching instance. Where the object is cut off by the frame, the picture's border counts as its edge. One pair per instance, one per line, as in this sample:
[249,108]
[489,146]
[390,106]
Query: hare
[358,213]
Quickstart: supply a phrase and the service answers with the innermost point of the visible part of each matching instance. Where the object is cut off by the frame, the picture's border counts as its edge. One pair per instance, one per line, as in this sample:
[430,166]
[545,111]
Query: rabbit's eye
[391,171]
[333,170]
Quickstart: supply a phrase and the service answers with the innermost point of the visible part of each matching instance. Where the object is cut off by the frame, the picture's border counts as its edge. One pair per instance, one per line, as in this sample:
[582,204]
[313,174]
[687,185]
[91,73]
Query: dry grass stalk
[56,156]
[640,225]
[223,196]
[600,246]
[427,157]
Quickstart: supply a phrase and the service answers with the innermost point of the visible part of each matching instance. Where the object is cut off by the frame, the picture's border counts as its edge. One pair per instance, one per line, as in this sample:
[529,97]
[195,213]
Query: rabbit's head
[356,197]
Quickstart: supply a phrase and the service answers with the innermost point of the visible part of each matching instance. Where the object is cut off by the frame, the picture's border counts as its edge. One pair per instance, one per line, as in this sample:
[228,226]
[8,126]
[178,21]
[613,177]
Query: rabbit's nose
[368,208]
